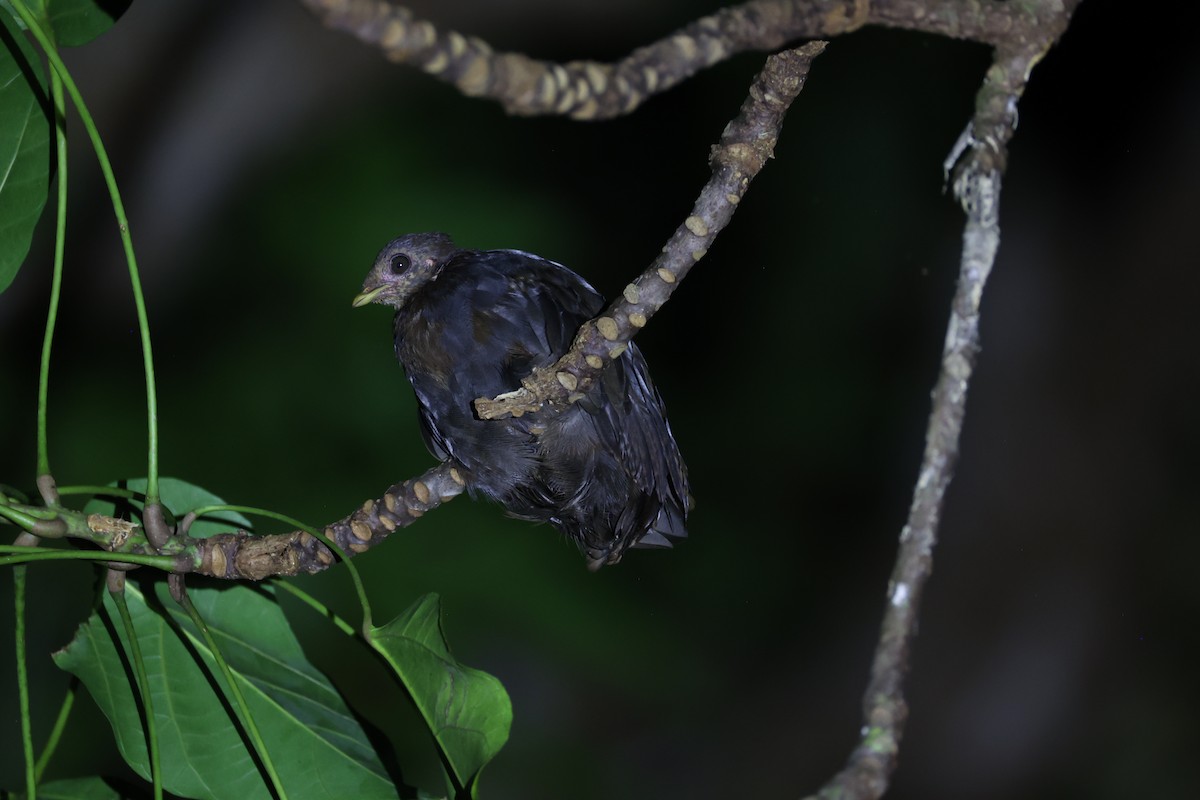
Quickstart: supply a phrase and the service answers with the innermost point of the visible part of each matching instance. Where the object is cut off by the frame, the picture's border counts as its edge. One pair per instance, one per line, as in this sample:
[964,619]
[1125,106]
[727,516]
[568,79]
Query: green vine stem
[60,725]
[26,517]
[102,491]
[11,556]
[23,681]
[56,62]
[60,244]
[317,606]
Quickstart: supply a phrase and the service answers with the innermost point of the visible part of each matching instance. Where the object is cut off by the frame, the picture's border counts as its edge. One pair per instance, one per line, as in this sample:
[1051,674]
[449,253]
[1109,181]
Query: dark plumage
[605,471]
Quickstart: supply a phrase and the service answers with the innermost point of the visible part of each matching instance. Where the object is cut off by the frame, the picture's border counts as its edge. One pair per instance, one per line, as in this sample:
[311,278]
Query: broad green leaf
[179,497]
[93,788]
[467,710]
[24,146]
[315,742]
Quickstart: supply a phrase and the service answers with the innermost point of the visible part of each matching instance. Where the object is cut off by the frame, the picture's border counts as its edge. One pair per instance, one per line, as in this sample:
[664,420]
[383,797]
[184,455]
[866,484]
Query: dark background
[264,160]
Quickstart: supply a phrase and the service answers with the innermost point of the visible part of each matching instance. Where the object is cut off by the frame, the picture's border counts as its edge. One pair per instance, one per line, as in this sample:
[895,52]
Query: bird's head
[403,266]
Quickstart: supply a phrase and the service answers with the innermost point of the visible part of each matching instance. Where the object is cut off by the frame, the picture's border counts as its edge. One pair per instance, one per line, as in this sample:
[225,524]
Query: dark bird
[605,471]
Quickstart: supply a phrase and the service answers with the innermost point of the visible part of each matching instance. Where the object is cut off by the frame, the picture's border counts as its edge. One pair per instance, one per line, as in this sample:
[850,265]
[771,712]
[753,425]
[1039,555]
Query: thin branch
[242,555]
[748,141]
[590,90]
[246,556]
[872,762]
[980,159]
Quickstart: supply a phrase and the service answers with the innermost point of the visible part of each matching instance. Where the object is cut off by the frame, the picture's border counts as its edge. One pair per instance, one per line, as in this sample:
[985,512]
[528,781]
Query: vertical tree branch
[872,762]
[977,161]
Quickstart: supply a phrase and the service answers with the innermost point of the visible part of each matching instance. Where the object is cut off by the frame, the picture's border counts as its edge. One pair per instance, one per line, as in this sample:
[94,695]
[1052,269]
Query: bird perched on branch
[605,471]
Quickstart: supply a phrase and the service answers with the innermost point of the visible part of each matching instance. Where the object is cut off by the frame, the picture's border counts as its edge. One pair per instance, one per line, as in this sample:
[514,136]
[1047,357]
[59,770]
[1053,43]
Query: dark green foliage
[25,119]
[314,739]
[24,147]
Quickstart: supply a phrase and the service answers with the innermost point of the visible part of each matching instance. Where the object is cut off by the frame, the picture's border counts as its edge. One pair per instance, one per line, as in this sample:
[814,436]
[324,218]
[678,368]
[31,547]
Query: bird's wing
[483,324]
[636,425]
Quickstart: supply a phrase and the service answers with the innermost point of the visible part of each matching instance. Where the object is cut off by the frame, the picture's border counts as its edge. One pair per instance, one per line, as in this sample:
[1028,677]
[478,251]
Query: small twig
[748,141]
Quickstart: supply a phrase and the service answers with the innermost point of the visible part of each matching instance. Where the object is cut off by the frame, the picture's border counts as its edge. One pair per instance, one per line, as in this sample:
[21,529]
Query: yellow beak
[367,297]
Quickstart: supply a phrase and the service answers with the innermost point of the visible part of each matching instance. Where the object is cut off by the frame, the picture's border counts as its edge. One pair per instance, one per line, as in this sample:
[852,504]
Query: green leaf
[467,710]
[71,22]
[179,497]
[93,788]
[77,22]
[317,745]
[24,146]
[25,123]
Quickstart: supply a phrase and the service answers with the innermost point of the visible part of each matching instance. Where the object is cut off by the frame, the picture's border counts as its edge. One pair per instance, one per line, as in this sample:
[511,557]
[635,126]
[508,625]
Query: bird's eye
[400,263]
